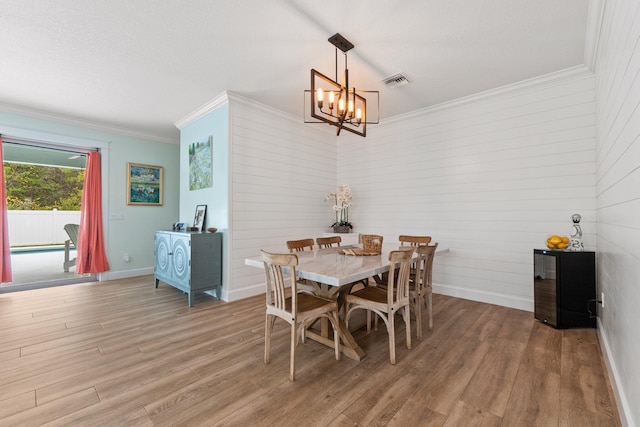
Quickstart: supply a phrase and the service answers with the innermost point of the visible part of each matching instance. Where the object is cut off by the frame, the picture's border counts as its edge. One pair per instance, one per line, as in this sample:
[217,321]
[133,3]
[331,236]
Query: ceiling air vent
[396,80]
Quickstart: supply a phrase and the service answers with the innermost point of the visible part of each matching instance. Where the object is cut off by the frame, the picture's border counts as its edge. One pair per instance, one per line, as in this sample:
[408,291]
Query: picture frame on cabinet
[144,184]
[198,220]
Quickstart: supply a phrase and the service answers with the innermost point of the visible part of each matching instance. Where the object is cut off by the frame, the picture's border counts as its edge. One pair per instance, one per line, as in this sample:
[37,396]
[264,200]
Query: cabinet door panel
[181,259]
[162,255]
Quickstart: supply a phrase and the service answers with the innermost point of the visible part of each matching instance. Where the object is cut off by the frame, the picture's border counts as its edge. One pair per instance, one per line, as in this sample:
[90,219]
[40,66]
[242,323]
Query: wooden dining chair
[327,242]
[299,245]
[386,303]
[420,286]
[414,240]
[300,310]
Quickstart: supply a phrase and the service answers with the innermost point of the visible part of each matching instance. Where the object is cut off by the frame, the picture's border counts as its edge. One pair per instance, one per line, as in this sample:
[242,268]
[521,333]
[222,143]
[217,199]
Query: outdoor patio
[41,266]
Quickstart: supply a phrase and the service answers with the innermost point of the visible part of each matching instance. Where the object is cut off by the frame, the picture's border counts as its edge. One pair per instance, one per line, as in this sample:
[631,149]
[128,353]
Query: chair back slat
[414,240]
[276,282]
[299,245]
[399,273]
[424,264]
[327,242]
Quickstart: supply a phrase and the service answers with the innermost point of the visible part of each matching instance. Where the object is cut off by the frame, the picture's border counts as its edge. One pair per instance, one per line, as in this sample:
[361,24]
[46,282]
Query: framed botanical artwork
[200,161]
[198,220]
[144,184]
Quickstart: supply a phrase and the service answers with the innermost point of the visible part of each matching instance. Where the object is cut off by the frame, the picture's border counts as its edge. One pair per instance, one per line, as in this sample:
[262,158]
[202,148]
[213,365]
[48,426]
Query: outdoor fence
[37,228]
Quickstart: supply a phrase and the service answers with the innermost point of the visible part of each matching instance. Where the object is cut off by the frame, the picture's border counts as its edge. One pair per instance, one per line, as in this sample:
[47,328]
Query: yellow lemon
[555,240]
[565,240]
[561,245]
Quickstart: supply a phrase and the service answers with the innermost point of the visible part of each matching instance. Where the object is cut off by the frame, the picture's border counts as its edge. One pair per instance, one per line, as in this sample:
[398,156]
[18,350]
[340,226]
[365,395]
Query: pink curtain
[5,259]
[92,257]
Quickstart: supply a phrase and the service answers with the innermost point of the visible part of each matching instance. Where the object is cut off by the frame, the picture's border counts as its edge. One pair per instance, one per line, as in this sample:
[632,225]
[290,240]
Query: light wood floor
[125,353]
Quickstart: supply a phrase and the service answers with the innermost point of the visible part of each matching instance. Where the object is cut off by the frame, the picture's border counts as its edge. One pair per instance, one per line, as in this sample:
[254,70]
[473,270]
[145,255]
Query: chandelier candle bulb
[320,97]
[331,100]
[341,105]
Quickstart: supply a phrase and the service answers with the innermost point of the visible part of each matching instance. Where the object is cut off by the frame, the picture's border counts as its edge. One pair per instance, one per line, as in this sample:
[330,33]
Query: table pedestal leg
[349,347]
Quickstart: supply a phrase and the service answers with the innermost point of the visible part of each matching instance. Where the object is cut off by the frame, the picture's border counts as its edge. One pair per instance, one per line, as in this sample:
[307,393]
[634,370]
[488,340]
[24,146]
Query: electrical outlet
[602,299]
[125,257]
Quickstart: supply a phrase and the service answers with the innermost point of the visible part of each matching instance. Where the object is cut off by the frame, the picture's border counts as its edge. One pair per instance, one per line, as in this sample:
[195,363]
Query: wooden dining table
[331,274]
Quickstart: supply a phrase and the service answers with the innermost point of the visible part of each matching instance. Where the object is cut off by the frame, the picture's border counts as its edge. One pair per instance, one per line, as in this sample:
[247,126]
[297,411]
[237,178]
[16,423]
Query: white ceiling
[141,65]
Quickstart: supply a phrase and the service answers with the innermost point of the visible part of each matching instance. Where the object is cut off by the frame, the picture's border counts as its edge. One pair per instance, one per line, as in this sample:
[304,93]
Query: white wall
[281,171]
[618,196]
[489,177]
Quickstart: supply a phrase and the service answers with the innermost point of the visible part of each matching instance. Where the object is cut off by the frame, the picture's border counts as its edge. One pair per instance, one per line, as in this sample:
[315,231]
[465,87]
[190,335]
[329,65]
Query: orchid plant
[342,201]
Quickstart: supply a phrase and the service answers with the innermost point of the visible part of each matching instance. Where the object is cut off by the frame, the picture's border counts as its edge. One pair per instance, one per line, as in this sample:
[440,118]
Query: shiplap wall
[281,170]
[489,177]
[618,196]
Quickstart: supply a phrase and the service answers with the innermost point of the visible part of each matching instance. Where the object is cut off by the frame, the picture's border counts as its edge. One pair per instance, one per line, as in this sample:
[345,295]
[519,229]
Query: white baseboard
[251,291]
[125,274]
[614,375]
[486,297]
[474,295]
[259,288]
[234,295]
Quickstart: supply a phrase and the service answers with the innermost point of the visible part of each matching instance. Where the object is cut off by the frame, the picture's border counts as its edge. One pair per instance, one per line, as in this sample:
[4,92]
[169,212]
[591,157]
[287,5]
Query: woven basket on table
[371,243]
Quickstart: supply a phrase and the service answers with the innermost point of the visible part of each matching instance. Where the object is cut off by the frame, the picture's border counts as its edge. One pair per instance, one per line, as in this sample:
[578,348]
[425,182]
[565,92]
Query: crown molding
[523,86]
[234,100]
[239,100]
[99,126]
[203,110]
[250,103]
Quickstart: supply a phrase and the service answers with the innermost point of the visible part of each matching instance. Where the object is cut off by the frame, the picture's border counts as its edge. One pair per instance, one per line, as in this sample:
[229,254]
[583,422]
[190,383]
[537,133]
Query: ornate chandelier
[335,103]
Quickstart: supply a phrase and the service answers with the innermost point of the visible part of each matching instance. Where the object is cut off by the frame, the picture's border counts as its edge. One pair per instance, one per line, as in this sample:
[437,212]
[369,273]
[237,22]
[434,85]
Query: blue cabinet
[189,261]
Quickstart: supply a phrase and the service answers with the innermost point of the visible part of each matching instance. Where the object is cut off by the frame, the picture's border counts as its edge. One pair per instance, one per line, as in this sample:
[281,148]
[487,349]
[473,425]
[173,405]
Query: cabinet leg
[157,283]
[190,299]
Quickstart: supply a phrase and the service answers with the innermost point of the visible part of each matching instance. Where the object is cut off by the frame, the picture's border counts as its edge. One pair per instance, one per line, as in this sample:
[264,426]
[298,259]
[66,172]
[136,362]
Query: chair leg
[417,305]
[407,323]
[267,338]
[292,362]
[430,308]
[391,330]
